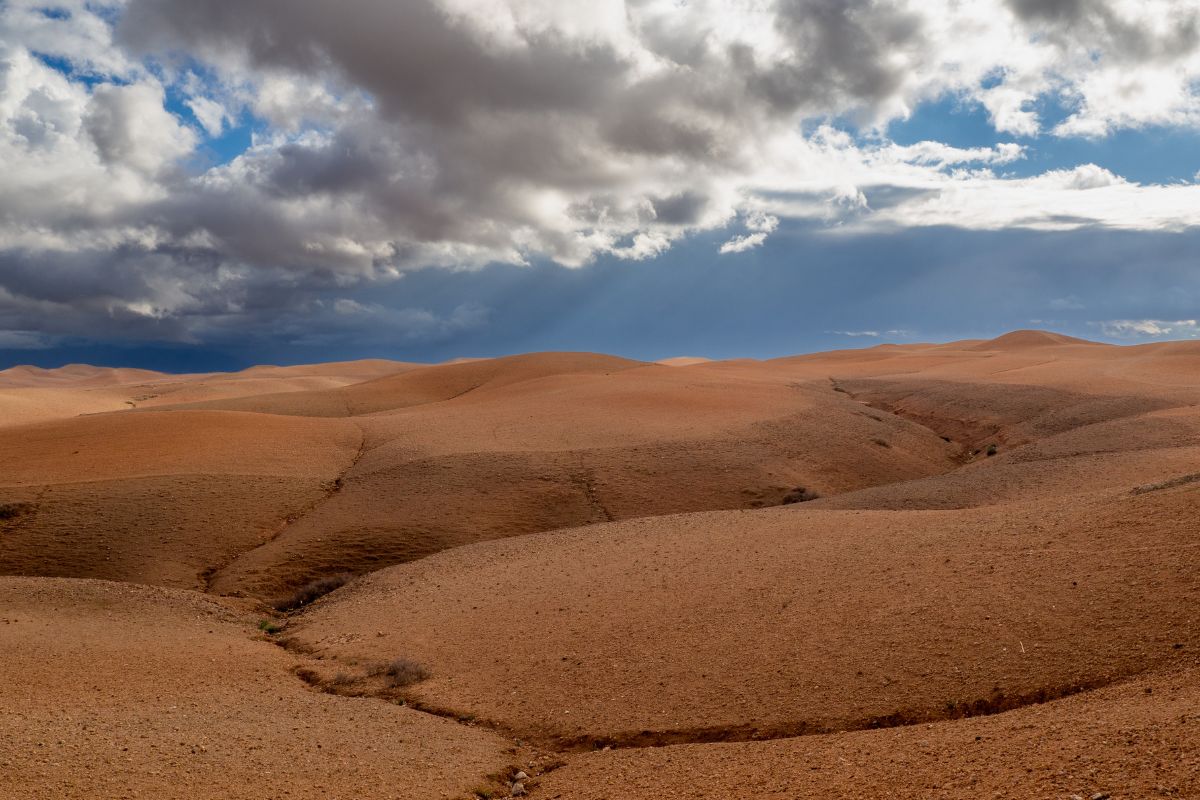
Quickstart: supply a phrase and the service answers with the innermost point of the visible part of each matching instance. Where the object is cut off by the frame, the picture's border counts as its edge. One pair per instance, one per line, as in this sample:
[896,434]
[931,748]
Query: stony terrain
[963,570]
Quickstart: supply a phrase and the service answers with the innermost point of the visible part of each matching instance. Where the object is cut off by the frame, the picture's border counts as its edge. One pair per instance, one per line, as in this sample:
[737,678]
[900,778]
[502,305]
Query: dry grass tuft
[799,495]
[402,672]
[311,591]
[13,510]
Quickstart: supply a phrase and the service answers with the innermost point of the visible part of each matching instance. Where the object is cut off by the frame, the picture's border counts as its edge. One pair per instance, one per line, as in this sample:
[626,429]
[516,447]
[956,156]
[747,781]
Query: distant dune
[1021,340]
[683,361]
[75,375]
[32,394]
[908,571]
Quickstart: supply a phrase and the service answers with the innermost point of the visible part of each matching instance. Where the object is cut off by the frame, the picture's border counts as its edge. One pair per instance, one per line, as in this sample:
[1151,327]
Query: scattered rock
[1100,796]
[520,777]
[518,789]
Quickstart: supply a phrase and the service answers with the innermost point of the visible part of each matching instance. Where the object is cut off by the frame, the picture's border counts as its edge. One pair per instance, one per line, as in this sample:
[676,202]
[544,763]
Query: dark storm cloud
[1096,24]
[1055,10]
[414,56]
[425,63]
[679,209]
[391,136]
[792,295]
[843,54]
[468,128]
[183,297]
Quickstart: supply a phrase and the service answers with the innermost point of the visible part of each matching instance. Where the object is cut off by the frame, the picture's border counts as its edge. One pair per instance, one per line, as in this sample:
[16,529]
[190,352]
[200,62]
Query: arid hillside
[962,570]
[261,493]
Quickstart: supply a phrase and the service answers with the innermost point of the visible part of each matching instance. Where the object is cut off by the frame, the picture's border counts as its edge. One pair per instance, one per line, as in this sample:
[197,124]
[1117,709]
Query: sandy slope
[1049,569]
[265,492]
[578,448]
[76,376]
[114,690]
[594,559]
[24,405]
[735,624]
[30,394]
[160,497]
[1137,739]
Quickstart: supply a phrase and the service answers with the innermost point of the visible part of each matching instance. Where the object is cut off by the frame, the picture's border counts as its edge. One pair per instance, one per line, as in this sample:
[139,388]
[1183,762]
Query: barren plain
[924,571]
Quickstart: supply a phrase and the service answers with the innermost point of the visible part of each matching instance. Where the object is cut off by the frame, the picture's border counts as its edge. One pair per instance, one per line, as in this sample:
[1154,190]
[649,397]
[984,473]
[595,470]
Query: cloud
[1086,196]
[389,137]
[938,154]
[760,224]
[1151,328]
[1124,64]
[130,128]
[742,243]
[412,324]
[24,340]
[1068,303]
[894,332]
[211,115]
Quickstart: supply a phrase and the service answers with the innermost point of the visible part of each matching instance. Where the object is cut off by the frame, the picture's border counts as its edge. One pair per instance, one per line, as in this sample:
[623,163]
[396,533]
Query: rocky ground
[959,571]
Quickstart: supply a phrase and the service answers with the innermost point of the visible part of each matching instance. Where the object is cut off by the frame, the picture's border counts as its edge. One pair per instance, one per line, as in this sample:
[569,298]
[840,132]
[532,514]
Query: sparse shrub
[309,676]
[340,681]
[991,450]
[402,672]
[799,495]
[268,627]
[311,591]
[13,510]
[881,442]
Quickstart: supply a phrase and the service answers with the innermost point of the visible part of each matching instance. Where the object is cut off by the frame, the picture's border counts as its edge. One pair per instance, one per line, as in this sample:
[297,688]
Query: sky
[193,185]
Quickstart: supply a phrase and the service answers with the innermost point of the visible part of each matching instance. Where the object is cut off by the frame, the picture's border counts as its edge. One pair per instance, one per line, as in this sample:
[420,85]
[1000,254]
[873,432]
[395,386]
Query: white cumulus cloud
[1151,328]
[390,136]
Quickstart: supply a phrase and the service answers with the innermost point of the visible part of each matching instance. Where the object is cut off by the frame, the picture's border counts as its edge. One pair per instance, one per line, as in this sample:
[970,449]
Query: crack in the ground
[366,685]
[331,489]
[953,710]
[526,755]
[964,455]
[586,482]
[362,686]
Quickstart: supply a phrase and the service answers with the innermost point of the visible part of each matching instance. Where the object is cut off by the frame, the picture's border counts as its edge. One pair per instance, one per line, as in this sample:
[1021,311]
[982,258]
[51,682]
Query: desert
[600,399]
[954,570]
